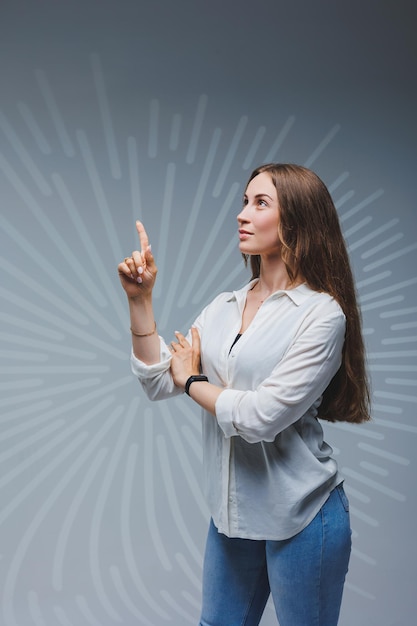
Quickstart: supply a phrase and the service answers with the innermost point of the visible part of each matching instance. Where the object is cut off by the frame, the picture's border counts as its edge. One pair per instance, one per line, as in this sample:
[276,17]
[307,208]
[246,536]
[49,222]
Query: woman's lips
[244,234]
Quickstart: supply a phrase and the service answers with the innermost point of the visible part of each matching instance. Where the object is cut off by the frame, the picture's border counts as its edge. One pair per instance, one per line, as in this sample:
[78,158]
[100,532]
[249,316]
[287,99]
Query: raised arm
[137,275]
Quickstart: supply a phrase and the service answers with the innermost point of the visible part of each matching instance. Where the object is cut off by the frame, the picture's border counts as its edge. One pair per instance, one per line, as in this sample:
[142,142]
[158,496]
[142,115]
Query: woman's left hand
[185,360]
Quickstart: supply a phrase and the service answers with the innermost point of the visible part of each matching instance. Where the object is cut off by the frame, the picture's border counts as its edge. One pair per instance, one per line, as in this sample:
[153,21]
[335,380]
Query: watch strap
[194,379]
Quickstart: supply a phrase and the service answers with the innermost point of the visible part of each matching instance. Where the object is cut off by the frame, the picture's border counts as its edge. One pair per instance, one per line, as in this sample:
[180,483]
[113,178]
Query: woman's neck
[273,277]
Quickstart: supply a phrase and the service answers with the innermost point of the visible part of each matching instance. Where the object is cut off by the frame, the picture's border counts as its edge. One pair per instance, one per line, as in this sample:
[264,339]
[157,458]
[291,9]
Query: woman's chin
[244,248]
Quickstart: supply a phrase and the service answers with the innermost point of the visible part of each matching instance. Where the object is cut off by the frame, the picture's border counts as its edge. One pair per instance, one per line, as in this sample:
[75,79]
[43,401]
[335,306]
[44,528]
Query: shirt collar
[298,295]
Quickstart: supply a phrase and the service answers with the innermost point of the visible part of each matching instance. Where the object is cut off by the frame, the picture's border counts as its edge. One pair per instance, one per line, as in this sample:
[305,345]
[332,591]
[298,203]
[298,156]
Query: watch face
[193,379]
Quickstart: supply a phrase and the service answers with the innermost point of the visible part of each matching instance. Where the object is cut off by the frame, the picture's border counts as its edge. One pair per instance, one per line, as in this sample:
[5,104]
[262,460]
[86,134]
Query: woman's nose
[242,217]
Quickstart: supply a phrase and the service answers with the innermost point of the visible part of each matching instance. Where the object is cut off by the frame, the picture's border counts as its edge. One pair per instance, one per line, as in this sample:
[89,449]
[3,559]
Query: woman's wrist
[136,333]
[141,312]
[193,379]
[181,379]
[140,299]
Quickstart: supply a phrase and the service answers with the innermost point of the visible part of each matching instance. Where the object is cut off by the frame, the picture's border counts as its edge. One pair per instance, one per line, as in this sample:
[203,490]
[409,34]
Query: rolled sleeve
[224,408]
[156,379]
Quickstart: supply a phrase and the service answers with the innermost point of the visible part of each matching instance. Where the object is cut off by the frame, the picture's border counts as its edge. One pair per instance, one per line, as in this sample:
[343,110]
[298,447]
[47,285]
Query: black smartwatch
[193,379]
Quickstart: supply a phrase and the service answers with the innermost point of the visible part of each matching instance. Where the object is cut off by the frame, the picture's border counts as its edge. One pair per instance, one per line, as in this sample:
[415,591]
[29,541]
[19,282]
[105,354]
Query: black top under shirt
[238,336]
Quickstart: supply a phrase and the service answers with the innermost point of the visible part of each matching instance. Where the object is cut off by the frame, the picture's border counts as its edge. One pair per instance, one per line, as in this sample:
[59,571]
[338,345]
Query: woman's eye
[262,202]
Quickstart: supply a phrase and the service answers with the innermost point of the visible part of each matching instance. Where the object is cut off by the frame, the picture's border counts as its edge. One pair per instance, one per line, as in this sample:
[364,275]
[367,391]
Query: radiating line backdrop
[112,111]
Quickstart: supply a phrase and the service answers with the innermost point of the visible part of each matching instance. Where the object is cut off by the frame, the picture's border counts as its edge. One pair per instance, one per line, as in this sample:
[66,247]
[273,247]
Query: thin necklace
[262,301]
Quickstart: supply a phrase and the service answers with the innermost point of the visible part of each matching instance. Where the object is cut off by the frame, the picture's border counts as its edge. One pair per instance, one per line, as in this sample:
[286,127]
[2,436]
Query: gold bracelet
[143,334]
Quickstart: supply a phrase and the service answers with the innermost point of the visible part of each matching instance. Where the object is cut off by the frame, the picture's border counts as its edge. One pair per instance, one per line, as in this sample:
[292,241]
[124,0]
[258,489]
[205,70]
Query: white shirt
[267,469]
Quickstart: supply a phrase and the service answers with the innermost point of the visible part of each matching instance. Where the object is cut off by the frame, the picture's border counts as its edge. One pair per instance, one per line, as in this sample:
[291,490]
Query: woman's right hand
[137,273]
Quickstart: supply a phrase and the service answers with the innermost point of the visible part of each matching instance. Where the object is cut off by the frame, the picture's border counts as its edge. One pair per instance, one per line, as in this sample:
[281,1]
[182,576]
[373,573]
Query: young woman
[264,363]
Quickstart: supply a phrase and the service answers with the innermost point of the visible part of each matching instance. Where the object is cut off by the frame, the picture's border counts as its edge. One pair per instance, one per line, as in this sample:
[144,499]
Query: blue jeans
[305,574]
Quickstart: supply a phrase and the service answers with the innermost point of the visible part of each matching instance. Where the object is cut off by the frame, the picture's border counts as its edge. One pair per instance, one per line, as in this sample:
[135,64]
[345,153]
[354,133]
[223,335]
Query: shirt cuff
[144,371]
[224,407]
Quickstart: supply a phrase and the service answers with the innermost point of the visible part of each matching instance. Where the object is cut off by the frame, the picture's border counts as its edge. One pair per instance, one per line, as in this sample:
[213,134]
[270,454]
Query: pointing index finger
[143,237]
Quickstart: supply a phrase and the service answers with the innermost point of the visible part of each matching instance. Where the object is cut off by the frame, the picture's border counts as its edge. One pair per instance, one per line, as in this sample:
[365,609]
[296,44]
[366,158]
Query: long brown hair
[313,247]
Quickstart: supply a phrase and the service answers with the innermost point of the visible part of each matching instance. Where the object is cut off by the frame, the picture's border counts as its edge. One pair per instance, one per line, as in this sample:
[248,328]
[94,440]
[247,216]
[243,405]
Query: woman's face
[258,221]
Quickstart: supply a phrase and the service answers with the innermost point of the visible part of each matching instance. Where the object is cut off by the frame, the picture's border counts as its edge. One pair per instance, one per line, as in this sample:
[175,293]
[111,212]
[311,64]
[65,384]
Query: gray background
[116,110]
